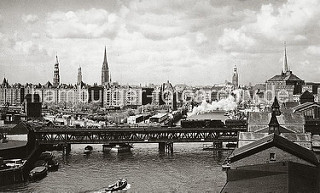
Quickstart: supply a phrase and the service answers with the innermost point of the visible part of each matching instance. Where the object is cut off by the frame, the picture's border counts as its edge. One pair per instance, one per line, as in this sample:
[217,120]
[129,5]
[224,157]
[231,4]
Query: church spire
[57,62]
[105,69]
[285,61]
[105,56]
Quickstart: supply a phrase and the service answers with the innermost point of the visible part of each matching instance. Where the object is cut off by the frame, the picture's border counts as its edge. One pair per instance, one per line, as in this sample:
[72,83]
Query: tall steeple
[285,61]
[105,70]
[56,76]
[235,78]
[79,76]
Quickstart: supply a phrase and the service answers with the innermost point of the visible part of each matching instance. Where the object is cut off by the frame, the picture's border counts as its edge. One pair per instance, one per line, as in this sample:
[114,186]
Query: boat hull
[116,148]
[38,174]
[114,187]
[53,166]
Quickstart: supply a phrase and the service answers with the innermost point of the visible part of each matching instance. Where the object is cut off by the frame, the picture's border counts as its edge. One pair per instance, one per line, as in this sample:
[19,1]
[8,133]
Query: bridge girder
[139,136]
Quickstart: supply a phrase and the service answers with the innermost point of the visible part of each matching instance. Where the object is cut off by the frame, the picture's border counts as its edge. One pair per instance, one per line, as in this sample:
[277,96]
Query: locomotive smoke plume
[224,104]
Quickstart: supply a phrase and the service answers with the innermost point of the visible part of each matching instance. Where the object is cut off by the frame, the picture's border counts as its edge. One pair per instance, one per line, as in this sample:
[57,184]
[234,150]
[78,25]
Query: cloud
[235,40]
[289,21]
[92,23]
[7,42]
[35,35]
[30,18]
[293,21]
[201,38]
[30,48]
[313,50]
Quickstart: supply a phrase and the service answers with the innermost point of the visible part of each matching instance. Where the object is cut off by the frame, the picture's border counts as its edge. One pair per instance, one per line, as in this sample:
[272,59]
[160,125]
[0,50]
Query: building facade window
[272,156]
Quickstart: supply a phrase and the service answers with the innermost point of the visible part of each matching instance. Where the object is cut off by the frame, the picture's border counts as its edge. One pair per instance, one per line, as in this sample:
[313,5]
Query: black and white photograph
[170,96]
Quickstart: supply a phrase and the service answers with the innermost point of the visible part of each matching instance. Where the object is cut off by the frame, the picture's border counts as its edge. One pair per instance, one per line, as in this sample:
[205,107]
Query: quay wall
[11,176]
[30,152]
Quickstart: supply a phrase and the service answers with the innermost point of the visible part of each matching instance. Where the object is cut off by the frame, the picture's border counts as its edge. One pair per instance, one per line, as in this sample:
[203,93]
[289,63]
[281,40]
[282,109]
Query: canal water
[189,169]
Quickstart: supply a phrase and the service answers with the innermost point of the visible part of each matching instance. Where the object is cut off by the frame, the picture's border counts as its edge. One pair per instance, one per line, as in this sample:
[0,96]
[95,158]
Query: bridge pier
[217,145]
[66,149]
[166,147]
[162,147]
[169,147]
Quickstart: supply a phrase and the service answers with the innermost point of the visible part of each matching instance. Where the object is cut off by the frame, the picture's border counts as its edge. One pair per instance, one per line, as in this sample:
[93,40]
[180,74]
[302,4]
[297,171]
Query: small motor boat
[88,149]
[119,185]
[53,165]
[40,163]
[38,173]
[46,156]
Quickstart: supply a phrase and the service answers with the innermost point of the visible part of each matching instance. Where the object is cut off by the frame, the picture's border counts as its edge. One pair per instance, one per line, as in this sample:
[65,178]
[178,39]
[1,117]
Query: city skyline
[196,43]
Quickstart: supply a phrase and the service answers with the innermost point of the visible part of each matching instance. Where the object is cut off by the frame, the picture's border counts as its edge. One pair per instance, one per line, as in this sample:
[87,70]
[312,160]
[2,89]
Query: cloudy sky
[184,41]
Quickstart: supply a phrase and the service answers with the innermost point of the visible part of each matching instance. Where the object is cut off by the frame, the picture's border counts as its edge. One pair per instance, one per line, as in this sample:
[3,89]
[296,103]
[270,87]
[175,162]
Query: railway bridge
[165,136]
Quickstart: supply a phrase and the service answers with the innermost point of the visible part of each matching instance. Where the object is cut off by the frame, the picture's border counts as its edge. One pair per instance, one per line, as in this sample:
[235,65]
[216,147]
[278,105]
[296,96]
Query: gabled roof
[288,120]
[47,85]
[277,78]
[292,77]
[307,95]
[285,77]
[274,140]
[305,105]
[281,130]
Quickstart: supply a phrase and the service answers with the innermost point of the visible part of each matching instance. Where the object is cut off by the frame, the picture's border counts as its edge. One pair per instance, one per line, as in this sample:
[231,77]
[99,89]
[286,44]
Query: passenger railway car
[207,123]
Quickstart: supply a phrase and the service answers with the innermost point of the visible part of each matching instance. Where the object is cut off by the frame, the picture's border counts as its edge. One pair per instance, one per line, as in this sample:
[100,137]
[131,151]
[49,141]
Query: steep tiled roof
[305,105]
[277,78]
[271,141]
[287,119]
[285,77]
[307,95]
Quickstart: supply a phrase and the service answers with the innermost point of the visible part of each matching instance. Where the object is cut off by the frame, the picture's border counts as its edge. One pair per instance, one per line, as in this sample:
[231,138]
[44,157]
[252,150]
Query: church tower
[105,70]
[79,76]
[56,76]
[235,78]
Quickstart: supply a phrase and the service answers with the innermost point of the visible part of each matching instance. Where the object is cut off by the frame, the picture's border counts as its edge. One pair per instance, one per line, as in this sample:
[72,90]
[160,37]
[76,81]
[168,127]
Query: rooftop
[271,141]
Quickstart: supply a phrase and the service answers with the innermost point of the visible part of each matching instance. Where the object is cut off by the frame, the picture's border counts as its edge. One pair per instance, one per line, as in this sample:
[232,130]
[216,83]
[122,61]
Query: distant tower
[285,61]
[56,76]
[79,76]
[105,70]
[235,78]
